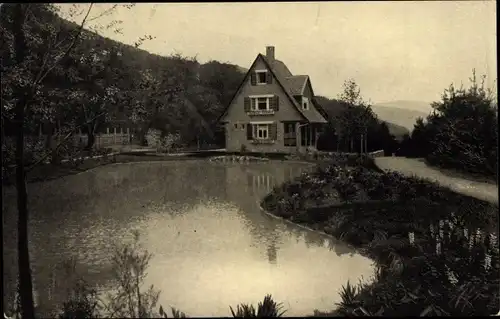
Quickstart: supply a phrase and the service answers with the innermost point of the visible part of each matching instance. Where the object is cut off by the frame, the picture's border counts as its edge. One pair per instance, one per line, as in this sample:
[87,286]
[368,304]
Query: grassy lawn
[432,247]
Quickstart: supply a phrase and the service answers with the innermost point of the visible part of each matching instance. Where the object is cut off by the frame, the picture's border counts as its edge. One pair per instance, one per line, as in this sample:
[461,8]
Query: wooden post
[361,144]
[310,135]
[297,136]
[107,130]
[114,135]
[366,142]
[316,137]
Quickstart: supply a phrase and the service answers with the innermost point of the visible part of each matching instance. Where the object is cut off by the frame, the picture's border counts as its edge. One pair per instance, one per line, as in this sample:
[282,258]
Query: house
[272,110]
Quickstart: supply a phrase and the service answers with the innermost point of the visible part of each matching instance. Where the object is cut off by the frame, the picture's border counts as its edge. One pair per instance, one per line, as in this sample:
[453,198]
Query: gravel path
[412,166]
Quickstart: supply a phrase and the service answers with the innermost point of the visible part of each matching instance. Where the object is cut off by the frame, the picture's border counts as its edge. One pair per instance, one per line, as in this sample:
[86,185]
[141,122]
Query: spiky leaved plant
[267,308]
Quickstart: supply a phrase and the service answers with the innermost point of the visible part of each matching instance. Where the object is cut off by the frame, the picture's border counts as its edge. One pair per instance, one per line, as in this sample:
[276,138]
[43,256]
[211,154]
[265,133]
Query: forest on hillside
[104,83]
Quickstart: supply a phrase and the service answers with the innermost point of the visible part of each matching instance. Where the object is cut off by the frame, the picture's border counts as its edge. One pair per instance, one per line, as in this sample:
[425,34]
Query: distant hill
[397,131]
[401,113]
[333,108]
[241,69]
[421,106]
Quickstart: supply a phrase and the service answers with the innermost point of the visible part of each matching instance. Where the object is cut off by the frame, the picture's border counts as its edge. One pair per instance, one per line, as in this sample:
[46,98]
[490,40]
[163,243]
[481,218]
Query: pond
[212,246]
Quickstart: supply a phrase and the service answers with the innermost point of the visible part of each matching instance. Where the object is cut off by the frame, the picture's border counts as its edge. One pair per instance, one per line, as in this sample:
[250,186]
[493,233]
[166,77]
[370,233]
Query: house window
[305,103]
[261,131]
[261,76]
[235,125]
[242,126]
[261,103]
[290,135]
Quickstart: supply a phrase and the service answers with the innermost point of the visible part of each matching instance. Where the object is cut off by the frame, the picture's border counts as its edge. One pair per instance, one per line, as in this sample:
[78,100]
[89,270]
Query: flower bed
[418,233]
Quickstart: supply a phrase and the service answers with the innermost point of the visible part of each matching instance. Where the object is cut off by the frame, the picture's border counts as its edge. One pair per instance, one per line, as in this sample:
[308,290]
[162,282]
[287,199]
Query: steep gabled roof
[291,85]
[296,84]
[283,68]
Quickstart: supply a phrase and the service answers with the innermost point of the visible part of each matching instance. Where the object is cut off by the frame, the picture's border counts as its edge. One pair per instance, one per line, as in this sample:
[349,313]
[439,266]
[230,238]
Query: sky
[394,50]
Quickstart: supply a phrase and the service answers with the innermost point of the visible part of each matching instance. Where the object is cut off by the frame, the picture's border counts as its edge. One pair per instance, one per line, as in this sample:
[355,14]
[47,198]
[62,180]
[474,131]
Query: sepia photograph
[249,159]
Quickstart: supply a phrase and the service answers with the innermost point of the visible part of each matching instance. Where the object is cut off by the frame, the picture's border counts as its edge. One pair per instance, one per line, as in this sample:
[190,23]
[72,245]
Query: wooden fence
[379,153]
[110,138]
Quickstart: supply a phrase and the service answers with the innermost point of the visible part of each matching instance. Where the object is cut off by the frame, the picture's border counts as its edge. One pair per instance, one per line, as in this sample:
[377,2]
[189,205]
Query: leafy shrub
[153,137]
[125,300]
[167,142]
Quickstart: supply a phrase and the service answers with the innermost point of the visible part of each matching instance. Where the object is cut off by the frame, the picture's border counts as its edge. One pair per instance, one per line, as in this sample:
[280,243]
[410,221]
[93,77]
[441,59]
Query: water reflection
[212,245]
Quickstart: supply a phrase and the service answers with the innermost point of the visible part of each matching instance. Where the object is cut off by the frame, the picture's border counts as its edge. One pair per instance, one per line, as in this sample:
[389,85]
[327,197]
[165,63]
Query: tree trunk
[91,128]
[90,140]
[25,284]
[351,144]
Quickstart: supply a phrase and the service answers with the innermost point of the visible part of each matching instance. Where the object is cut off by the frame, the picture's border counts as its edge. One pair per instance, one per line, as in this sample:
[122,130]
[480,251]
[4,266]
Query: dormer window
[261,76]
[305,103]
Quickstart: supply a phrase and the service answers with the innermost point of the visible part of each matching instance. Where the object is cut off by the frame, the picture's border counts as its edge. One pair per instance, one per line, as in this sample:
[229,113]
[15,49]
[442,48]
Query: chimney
[270,53]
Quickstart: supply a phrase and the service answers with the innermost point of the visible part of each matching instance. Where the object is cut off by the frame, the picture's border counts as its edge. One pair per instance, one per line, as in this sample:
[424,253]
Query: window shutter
[275,103]
[269,77]
[247,104]
[273,134]
[249,131]
[253,78]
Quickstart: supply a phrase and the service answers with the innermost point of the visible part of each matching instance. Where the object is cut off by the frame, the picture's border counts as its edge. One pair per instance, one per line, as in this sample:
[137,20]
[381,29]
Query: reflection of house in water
[264,182]
[246,185]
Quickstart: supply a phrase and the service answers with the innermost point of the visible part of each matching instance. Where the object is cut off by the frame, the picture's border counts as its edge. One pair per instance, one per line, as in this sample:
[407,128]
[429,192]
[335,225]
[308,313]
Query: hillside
[333,108]
[397,115]
[421,106]
[175,94]
[397,131]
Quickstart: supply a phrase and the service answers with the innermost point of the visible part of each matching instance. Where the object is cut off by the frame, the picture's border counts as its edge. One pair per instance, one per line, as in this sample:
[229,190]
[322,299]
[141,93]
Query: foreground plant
[176,313]
[267,308]
[130,262]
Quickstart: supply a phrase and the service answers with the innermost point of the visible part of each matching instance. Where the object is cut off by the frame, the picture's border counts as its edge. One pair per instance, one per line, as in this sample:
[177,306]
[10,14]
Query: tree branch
[105,12]
[41,75]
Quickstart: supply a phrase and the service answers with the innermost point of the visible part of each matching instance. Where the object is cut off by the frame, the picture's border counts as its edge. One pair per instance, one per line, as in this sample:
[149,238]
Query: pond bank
[409,227]
[46,172]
